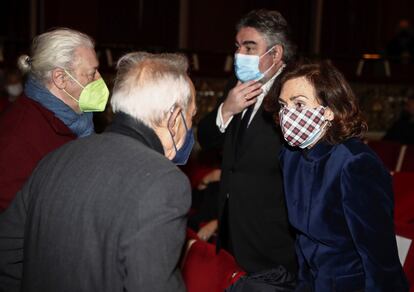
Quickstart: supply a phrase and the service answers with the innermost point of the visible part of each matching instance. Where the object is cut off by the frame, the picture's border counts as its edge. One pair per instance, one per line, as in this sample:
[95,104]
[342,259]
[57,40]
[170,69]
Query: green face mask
[93,96]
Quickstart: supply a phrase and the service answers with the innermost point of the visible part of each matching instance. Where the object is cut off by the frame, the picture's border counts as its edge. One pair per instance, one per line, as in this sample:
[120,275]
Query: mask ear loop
[70,95]
[168,127]
[273,64]
[74,79]
[265,72]
[185,123]
[76,82]
[326,125]
[267,51]
[182,116]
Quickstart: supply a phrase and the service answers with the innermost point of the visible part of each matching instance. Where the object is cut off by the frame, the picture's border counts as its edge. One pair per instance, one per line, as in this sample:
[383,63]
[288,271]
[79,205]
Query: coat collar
[126,125]
[318,151]
[79,123]
[57,125]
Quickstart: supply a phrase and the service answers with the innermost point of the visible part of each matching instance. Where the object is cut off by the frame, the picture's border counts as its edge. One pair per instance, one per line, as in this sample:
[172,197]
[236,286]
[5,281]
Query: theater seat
[388,152]
[205,271]
[407,164]
[404,220]
[403,196]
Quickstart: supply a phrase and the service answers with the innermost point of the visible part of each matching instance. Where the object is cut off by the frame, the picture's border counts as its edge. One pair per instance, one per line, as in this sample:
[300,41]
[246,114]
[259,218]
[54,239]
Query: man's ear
[59,78]
[277,53]
[172,120]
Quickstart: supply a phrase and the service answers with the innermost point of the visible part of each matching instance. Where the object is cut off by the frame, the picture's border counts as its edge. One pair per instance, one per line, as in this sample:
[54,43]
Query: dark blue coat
[340,200]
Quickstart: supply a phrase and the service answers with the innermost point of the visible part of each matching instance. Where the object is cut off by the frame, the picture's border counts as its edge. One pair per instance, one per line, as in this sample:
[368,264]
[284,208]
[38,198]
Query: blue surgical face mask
[247,67]
[182,154]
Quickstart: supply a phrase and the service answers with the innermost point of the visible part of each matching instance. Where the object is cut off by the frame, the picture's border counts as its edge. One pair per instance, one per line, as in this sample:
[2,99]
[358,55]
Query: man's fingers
[252,88]
[243,86]
[253,94]
[251,101]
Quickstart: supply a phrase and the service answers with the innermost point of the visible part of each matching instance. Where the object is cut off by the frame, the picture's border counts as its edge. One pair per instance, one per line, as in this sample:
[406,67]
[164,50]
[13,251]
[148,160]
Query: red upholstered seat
[403,183]
[205,271]
[388,152]
[408,160]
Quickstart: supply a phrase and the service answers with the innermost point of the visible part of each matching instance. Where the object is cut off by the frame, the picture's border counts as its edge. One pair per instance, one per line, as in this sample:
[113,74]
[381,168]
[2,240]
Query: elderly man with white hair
[63,88]
[108,212]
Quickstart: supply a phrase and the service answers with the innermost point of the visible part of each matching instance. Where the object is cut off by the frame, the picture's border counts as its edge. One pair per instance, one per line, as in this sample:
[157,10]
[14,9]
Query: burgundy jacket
[28,132]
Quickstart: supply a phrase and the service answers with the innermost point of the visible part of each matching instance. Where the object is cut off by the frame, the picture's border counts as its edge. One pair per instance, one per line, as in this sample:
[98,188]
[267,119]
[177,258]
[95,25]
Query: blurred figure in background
[401,47]
[62,90]
[402,130]
[13,84]
[4,101]
[204,173]
[11,87]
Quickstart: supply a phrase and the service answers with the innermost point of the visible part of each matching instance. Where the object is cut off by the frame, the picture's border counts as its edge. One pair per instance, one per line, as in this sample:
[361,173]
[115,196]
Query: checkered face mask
[301,127]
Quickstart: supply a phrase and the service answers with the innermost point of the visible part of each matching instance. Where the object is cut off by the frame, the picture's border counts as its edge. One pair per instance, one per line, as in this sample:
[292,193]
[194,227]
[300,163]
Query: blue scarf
[80,124]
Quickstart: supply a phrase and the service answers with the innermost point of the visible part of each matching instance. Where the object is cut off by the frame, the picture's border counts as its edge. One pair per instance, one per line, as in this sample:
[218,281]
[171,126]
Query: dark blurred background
[365,39]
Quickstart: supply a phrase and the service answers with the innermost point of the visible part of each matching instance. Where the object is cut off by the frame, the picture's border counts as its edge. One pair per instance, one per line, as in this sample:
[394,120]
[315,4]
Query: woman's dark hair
[333,91]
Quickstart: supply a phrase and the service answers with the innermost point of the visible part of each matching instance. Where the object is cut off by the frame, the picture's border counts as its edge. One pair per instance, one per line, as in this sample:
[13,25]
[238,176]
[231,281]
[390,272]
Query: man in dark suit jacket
[253,223]
[107,212]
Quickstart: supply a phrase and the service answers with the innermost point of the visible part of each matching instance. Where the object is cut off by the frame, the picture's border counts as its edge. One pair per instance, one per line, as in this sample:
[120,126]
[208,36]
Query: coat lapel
[251,131]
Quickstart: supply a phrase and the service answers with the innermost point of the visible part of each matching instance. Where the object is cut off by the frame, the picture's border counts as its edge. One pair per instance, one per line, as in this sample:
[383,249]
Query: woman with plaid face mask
[338,193]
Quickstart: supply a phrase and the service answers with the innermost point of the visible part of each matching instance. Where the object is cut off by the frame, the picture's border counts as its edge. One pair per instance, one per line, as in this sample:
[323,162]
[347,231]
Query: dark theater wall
[14,27]
[212,23]
[352,27]
[349,27]
[120,22]
[76,14]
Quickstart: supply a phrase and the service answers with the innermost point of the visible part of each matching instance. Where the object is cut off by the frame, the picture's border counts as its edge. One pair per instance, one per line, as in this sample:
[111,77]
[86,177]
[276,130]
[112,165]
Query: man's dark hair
[274,28]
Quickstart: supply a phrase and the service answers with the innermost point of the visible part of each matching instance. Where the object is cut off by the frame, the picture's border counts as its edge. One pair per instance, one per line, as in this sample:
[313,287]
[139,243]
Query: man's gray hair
[274,28]
[51,50]
[148,86]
